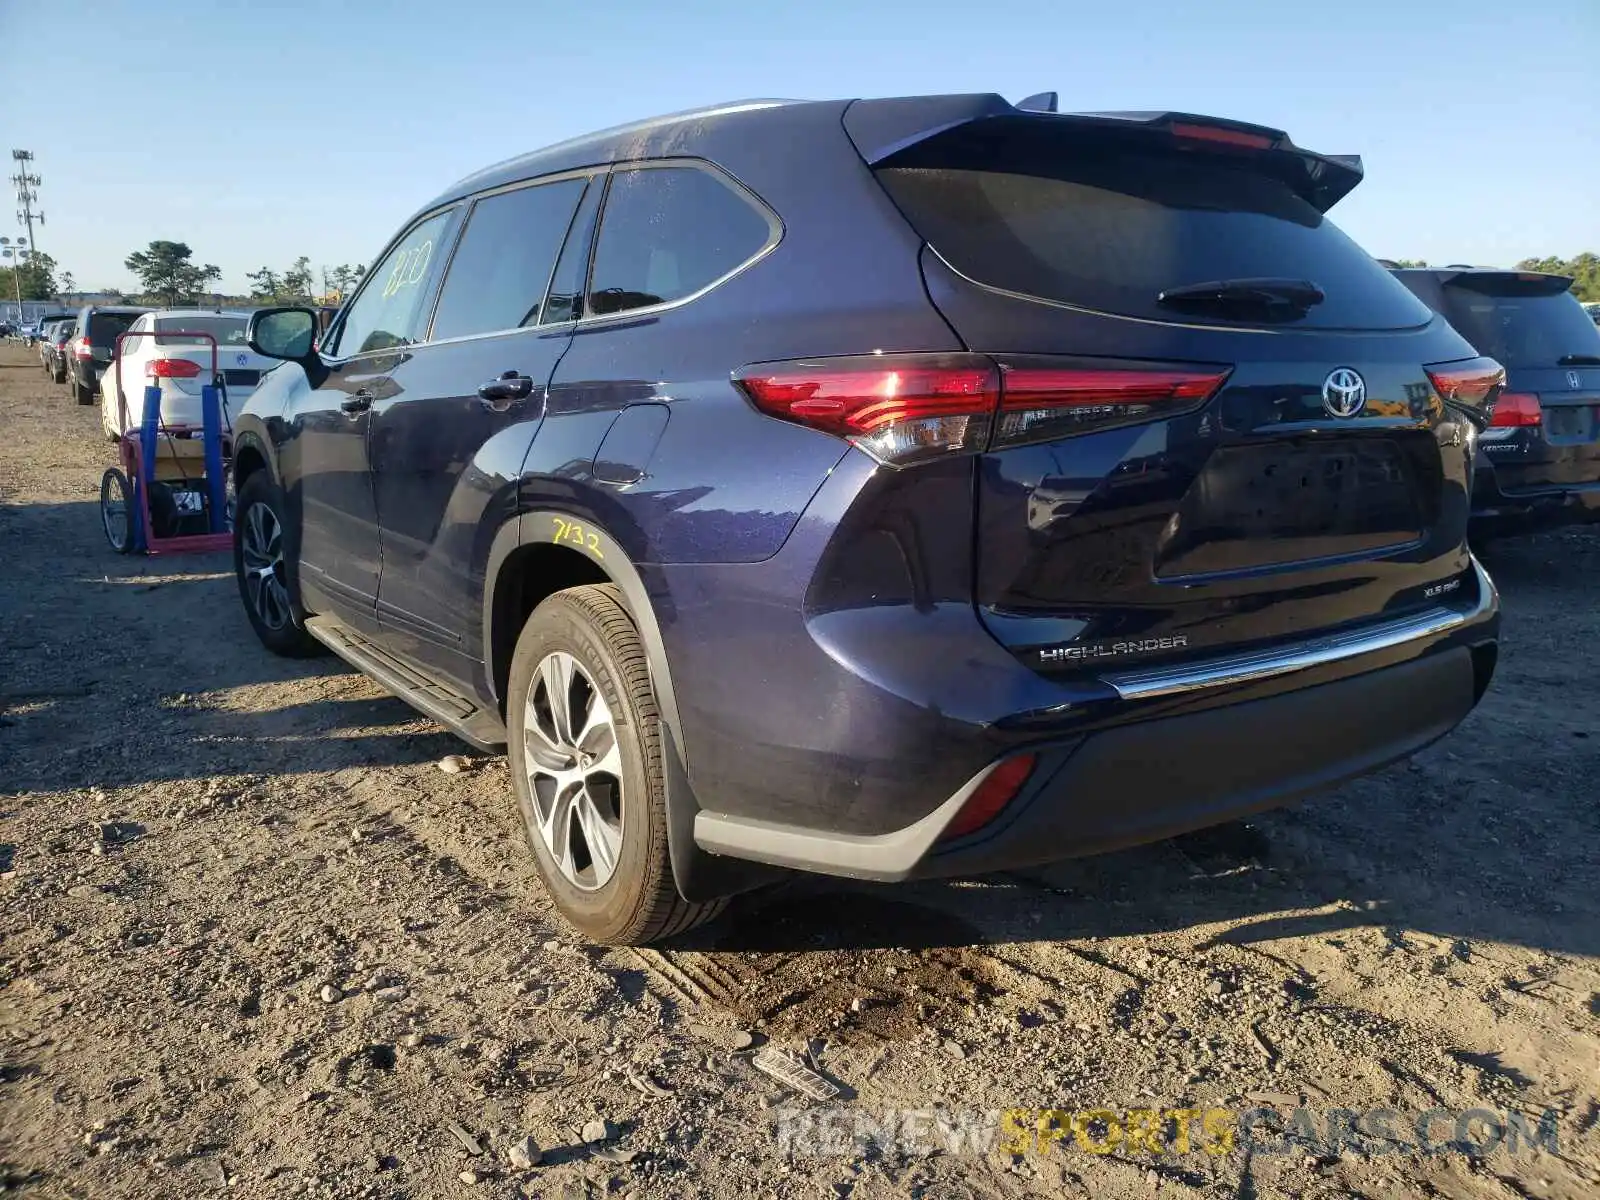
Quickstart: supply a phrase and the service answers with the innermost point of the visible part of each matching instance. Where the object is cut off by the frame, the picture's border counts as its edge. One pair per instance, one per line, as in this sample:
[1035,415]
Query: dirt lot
[255,939]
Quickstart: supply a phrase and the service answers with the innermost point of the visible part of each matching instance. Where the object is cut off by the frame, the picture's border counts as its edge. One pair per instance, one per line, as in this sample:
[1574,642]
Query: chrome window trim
[775,232]
[589,174]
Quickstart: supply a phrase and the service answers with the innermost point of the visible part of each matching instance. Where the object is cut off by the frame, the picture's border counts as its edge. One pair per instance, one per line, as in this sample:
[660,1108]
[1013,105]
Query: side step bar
[480,727]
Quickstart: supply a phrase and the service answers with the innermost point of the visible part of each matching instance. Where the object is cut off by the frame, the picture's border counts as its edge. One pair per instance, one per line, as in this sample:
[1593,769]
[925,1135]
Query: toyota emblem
[1344,393]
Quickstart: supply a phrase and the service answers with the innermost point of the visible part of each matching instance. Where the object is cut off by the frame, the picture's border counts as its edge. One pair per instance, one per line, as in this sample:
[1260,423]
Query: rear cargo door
[1217,425]
[1551,350]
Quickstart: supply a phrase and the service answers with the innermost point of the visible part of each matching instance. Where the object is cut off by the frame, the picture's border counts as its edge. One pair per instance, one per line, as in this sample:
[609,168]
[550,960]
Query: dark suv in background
[1539,462]
[94,338]
[963,487]
[55,347]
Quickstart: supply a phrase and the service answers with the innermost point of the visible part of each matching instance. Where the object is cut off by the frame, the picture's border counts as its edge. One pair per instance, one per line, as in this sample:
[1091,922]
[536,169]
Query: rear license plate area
[1571,424]
[1275,504]
[241,378]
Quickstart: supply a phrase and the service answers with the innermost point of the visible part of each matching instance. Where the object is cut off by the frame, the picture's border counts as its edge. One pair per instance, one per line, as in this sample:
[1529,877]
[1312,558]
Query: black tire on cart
[116,510]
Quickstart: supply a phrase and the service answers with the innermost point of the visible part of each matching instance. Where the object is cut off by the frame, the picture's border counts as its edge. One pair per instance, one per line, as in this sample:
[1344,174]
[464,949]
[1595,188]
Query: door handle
[500,394]
[358,403]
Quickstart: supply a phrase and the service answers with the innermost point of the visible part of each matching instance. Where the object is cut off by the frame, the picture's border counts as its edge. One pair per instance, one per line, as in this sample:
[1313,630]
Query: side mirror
[287,333]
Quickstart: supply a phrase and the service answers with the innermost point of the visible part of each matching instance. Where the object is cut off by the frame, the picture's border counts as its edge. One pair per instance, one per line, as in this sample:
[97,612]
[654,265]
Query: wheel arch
[249,456]
[548,541]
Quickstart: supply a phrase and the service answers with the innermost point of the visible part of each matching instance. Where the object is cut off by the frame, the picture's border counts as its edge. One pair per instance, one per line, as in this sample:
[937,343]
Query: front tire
[262,552]
[584,737]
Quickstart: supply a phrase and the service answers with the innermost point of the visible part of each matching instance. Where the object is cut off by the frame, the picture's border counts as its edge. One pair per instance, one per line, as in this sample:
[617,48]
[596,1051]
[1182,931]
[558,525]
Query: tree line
[295,284]
[170,276]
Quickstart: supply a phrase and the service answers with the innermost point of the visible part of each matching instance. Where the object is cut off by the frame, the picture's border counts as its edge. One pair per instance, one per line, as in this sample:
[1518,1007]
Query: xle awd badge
[1344,393]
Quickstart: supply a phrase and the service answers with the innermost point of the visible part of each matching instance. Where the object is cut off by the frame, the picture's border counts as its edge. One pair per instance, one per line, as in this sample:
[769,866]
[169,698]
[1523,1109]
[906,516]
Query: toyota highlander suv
[1538,464]
[882,488]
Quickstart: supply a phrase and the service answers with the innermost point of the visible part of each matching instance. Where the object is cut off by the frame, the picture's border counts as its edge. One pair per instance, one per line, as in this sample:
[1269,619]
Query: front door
[445,453]
[326,459]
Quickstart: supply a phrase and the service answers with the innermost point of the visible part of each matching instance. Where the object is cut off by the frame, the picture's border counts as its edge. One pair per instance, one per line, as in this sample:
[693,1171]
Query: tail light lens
[1045,403]
[1516,410]
[82,349]
[905,408]
[991,796]
[171,368]
[1474,383]
[898,408]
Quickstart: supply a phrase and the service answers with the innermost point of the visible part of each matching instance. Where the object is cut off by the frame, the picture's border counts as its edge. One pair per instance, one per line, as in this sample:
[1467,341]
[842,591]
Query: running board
[480,727]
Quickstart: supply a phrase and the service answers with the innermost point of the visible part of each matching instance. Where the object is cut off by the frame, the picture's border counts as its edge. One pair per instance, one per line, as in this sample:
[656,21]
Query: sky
[260,130]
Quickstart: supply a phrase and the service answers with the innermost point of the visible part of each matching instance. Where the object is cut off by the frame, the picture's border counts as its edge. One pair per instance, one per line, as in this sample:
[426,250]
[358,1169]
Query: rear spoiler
[881,129]
[1507,283]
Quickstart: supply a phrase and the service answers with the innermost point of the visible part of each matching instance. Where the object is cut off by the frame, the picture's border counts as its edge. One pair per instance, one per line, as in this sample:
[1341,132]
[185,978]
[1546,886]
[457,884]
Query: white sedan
[179,366]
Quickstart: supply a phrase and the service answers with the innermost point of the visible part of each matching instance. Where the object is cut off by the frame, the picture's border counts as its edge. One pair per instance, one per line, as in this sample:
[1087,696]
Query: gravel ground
[255,939]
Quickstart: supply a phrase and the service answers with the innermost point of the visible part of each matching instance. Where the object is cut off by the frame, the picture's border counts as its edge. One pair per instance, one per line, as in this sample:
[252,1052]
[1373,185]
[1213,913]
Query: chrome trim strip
[1315,652]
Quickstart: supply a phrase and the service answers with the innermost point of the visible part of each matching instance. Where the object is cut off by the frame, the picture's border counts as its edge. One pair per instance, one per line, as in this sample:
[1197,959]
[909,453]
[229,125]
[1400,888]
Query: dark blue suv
[883,488]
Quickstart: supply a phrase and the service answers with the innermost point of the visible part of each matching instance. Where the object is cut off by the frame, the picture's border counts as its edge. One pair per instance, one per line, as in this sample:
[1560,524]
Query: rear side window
[502,265]
[668,232]
[1522,331]
[1108,225]
[104,327]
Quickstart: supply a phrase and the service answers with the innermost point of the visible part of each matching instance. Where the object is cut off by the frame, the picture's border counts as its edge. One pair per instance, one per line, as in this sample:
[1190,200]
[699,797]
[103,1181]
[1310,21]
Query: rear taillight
[898,408]
[1042,403]
[1474,383]
[1516,410]
[171,368]
[904,408]
[82,349]
[990,797]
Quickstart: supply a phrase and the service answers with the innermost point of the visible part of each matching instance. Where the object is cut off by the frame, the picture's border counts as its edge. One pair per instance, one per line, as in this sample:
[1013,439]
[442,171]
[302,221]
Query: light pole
[16,255]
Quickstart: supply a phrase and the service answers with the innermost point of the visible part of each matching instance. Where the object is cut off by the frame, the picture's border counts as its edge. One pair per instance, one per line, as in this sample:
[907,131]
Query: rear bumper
[1179,750]
[1496,512]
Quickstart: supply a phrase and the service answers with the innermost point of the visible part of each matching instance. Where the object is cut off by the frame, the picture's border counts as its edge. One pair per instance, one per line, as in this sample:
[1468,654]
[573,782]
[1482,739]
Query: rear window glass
[104,326]
[668,232]
[1522,331]
[229,331]
[1109,226]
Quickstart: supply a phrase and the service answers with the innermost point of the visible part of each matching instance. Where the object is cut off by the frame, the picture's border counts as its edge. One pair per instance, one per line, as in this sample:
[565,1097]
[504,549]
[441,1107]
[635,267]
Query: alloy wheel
[574,768]
[262,546]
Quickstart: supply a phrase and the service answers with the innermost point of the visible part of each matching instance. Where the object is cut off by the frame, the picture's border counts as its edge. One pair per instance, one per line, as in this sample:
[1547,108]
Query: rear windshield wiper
[1267,293]
[1578,360]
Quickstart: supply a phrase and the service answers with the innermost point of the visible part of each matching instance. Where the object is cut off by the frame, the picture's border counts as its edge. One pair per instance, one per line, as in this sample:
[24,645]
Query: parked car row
[177,351]
[83,352]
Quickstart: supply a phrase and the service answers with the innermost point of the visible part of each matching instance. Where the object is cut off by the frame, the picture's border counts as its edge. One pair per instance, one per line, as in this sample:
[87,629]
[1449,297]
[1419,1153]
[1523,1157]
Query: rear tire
[595,814]
[85,395]
[263,551]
